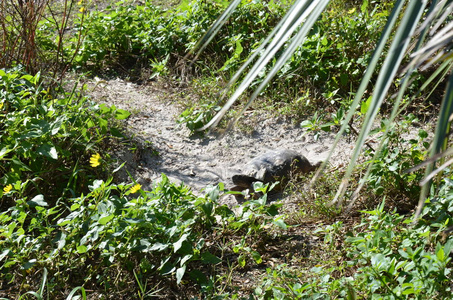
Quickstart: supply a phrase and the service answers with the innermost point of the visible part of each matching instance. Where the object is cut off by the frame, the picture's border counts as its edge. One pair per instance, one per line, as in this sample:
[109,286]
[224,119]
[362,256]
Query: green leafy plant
[403,24]
[401,263]
[195,119]
[127,34]
[316,125]
[43,138]
[162,230]
[388,175]
[334,55]
[385,258]
[254,217]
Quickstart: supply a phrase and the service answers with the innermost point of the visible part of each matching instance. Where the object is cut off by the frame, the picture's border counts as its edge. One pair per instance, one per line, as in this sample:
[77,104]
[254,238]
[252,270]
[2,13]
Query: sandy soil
[201,161]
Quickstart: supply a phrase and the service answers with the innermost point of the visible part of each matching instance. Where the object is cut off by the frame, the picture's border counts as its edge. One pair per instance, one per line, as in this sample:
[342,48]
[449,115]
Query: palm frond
[440,138]
[395,55]
[295,19]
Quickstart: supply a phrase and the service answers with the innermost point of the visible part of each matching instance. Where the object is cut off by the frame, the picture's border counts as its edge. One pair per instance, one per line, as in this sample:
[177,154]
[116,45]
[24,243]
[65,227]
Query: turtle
[272,166]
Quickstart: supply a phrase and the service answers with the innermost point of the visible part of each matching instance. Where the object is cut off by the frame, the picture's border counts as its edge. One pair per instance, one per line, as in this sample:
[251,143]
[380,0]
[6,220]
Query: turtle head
[243,180]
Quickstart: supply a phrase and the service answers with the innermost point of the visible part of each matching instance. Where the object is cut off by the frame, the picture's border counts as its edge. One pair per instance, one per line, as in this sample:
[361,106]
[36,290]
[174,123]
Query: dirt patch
[201,161]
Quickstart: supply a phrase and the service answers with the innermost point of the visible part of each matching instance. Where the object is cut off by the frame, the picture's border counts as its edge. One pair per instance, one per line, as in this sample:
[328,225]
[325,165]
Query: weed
[313,203]
[335,54]
[400,152]
[195,119]
[396,260]
[385,258]
[316,125]
[43,138]
[34,34]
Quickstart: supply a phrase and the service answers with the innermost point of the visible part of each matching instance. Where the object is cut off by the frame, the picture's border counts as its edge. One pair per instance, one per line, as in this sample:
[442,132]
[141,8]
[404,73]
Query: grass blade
[75,290]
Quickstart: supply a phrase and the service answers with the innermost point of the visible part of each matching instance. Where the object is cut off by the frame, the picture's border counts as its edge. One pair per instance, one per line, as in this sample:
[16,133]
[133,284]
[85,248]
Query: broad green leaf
[185,259]
[379,261]
[121,114]
[212,192]
[280,223]
[104,108]
[198,277]
[167,268]
[82,249]
[178,244]
[408,289]
[234,57]
[61,239]
[158,246]
[75,206]
[103,124]
[365,105]
[96,184]
[257,257]
[5,151]
[48,150]
[37,201]
[106,219]
[56,125]
[208,258]
[440,254]
[4,254]
[19,165]
[180,273]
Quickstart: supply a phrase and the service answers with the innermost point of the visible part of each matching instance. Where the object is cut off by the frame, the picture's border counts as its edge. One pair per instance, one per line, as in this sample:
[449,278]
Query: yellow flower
[7,189]
[135,188]
[82,9]
[1,105]
[351,11]
[94,160]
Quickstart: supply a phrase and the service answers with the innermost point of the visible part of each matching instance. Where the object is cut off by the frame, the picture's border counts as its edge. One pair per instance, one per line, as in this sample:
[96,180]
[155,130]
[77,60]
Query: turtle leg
[243,192]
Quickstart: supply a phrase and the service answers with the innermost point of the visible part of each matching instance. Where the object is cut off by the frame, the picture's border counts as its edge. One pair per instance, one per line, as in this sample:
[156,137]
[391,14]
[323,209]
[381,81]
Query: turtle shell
[273,166]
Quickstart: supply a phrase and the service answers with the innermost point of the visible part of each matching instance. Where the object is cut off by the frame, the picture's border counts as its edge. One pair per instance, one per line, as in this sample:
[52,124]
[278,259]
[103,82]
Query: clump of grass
[311,203]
